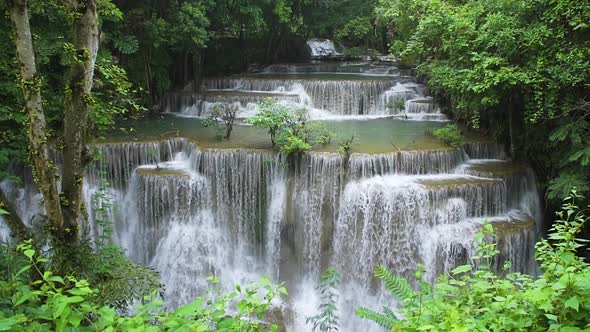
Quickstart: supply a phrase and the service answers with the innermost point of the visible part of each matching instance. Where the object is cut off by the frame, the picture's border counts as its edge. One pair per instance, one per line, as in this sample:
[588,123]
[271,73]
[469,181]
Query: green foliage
[54,303]
[222,114]
[398,287]
[355,30]
[317,133]
[273,116]
[294,145]
[290,130]
[507,64]
[450,134]
[113,97]
[345,146]
[475,298]
[359,51]
[327,320]
[351,21]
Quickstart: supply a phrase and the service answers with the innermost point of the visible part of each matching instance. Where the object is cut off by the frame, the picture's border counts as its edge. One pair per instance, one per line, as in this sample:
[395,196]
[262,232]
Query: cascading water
[352,89]
[239,214]
[320,48]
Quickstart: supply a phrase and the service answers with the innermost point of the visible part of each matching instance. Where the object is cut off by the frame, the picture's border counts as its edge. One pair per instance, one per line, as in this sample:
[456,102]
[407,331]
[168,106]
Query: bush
[345,146]
[291,131]
[450,134]
[475,298]
[54,303]
[294,145]
[273,116]
[222,119]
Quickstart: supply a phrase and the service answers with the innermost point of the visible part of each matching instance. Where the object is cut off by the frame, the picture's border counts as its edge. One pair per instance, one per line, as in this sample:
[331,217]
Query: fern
[386,319]
[397,286]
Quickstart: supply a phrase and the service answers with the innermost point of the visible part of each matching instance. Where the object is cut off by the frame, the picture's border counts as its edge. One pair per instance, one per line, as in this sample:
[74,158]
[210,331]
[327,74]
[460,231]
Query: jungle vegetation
[518,70]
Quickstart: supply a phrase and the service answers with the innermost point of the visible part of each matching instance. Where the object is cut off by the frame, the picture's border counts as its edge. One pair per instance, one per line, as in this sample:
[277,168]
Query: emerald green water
[374,136]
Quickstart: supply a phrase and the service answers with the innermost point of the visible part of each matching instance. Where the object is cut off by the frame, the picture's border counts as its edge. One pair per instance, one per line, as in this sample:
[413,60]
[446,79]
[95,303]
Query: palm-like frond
[397,286]
[385,319]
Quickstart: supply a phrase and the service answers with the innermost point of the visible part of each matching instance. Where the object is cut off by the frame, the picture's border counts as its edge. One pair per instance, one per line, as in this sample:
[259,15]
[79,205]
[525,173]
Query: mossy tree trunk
[43,168]
[76,109]
[63,209]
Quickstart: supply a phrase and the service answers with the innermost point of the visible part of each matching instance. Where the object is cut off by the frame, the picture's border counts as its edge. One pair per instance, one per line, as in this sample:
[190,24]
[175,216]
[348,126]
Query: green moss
[456,182]
[144,171]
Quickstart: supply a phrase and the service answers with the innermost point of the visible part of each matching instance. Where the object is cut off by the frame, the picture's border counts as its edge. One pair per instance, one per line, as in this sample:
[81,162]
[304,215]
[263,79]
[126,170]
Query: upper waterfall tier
[328,90]
[202,104]
[337,94]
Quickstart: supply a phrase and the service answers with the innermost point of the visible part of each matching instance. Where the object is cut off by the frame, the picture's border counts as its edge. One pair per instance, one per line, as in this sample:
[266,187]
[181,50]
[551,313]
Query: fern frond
[397,286]
[388,311]
[383,319]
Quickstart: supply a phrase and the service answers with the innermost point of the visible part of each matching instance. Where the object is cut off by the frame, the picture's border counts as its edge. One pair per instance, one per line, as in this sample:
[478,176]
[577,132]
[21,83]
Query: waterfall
[117,161]
[238,214]
[404,162]
[483,150]
[155,199]
[314,207]
[321,48]
[201,105]
[5,236]
[348,97]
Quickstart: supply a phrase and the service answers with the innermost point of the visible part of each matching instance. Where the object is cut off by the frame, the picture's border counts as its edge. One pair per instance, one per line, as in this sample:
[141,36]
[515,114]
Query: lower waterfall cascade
[239,214]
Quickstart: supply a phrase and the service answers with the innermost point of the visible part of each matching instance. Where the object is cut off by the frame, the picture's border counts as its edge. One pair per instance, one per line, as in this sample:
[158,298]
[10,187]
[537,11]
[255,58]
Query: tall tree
[62,208]
[45,171]
[76,109]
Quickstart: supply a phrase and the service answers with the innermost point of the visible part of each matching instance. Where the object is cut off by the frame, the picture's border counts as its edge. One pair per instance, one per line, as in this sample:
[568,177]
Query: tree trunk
[185,66]
[513,126]
[148,77]
[197,71]
[77,100]
[43,168]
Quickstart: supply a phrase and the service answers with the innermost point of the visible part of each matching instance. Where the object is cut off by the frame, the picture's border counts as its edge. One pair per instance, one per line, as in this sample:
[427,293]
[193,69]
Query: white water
[321,48]
[365,91]
[243,214]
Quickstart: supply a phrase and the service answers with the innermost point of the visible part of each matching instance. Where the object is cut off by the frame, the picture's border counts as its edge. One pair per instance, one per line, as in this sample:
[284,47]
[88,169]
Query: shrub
[291,131]
[273,116]
[327,320]
[451,135]
[475,298]
[345,146]
[222,119]
[294,145]
[54,303]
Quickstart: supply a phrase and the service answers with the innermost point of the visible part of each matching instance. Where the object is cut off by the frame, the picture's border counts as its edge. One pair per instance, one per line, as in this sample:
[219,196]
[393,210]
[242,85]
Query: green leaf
[3,212]
[551,317]
[462,269]
[573,303]
[9,323]
[29,253]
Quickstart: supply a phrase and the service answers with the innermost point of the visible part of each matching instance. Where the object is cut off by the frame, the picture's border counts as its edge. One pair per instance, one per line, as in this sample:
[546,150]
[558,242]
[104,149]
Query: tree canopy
[518,68]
